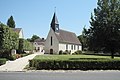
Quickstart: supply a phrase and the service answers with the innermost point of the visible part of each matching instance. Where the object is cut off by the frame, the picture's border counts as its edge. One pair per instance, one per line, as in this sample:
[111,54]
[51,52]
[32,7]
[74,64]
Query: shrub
[7,54]
[66,52]
[75,65]
[60,52]
[77,52]
[2,61]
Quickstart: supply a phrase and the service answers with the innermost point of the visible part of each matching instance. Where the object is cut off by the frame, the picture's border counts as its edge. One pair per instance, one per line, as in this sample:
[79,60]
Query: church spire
[54,20]
[54,23]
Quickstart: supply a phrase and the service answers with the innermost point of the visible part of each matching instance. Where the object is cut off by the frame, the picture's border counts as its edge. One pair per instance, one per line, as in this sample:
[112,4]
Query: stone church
[59,39]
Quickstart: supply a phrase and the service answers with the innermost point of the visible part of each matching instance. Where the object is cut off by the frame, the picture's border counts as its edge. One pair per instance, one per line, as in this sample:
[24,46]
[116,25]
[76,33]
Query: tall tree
[104,33]
[34,37]
[8,40]
[11,22]
[83,39]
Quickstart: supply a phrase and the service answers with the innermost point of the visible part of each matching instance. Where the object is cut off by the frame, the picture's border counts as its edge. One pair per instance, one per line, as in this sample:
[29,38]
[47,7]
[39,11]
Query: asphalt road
[62,75]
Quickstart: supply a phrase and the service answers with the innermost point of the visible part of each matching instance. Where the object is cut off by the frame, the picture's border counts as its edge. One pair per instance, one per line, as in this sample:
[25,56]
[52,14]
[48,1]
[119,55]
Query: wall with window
[51,42]
[69,47]
[38,48]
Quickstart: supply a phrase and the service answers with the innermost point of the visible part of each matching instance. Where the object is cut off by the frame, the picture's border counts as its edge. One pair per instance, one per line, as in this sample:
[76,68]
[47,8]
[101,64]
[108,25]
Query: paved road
[69,75]
[18,64]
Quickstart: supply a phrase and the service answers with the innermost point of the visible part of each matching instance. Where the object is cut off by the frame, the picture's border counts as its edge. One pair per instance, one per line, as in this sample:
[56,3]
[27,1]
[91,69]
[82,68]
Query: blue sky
[34,16]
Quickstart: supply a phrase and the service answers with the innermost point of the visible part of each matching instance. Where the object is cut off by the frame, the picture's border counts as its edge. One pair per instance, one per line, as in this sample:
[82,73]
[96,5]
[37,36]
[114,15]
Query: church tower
[55,24]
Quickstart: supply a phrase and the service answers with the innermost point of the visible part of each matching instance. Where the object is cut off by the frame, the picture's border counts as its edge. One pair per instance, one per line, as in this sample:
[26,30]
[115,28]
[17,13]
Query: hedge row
[74,65]
[2,61]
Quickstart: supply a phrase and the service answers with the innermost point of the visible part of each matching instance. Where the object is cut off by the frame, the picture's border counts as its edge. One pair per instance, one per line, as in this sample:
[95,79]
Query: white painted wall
[41,47]
[62,46]
[21,34]
[48,42]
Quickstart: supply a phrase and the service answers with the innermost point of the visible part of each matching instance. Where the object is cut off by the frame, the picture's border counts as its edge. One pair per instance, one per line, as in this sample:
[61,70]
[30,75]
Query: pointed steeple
[54,23]
[54,19]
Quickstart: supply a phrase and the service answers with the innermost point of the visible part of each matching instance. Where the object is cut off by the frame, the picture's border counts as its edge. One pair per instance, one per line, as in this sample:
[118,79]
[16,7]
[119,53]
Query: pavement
[18,64]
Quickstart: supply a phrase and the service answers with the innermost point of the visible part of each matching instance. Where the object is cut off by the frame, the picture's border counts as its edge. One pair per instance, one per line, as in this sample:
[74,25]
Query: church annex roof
[67,37]
[40,41]
[17,29]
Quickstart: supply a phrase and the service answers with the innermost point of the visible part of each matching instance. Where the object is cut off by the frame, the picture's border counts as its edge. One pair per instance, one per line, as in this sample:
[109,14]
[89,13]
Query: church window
[78,47]
[51,41]
[66,46]
[38,48]
[71,47]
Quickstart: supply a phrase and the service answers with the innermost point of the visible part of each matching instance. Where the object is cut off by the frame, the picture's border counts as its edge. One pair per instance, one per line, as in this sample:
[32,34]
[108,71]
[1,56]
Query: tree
[83,39]
[11,22]
[104,33]
[8,41]
[34,37]
[24,45]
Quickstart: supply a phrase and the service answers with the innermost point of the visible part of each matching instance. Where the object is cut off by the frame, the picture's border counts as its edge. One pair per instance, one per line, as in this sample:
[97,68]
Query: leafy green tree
[11,22]
[24,45]
[28,46]
[83,39]
[8,40]
[34,37]
[21,46]
[104,33]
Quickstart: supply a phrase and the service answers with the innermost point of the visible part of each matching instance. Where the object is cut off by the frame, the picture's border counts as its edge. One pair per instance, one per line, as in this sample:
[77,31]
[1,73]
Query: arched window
[51,41]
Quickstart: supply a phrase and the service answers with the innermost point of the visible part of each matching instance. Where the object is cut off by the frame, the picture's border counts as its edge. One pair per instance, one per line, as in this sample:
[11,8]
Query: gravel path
[18,64]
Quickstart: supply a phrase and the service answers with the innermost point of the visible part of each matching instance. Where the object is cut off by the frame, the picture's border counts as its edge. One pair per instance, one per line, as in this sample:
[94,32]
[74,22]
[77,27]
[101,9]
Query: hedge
[2,61]
[74,65]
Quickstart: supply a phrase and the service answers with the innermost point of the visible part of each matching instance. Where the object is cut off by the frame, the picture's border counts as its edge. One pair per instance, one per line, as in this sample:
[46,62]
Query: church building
[59,39]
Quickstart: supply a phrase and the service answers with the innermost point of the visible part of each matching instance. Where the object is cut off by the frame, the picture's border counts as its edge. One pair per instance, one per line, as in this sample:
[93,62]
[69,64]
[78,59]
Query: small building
[39,45]
[19,31]
[59,39]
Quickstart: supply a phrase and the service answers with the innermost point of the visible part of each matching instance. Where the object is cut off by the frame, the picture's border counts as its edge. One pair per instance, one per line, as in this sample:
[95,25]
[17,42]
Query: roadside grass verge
[2,61]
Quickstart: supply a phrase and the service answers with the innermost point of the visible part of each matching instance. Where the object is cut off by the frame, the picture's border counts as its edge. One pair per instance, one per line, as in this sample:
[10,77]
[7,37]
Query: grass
[75,57]
[2,61]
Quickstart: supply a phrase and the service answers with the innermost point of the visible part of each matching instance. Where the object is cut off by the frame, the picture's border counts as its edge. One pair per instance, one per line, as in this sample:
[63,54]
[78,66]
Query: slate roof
[67,37]
[54,20]
[40,41]
[17,29]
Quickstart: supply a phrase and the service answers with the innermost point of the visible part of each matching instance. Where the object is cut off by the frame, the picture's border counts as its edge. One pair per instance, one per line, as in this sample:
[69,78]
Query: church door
[51,51]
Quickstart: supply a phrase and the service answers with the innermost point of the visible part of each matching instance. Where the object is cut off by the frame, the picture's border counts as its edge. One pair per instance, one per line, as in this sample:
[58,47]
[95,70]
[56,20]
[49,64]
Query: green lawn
[75,57]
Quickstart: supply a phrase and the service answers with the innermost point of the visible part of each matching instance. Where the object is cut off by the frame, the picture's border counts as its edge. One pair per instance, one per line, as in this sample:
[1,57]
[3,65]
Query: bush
[7,54]
[77,52]
[60,52]
[75,65]
[66,52]
[2,61]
